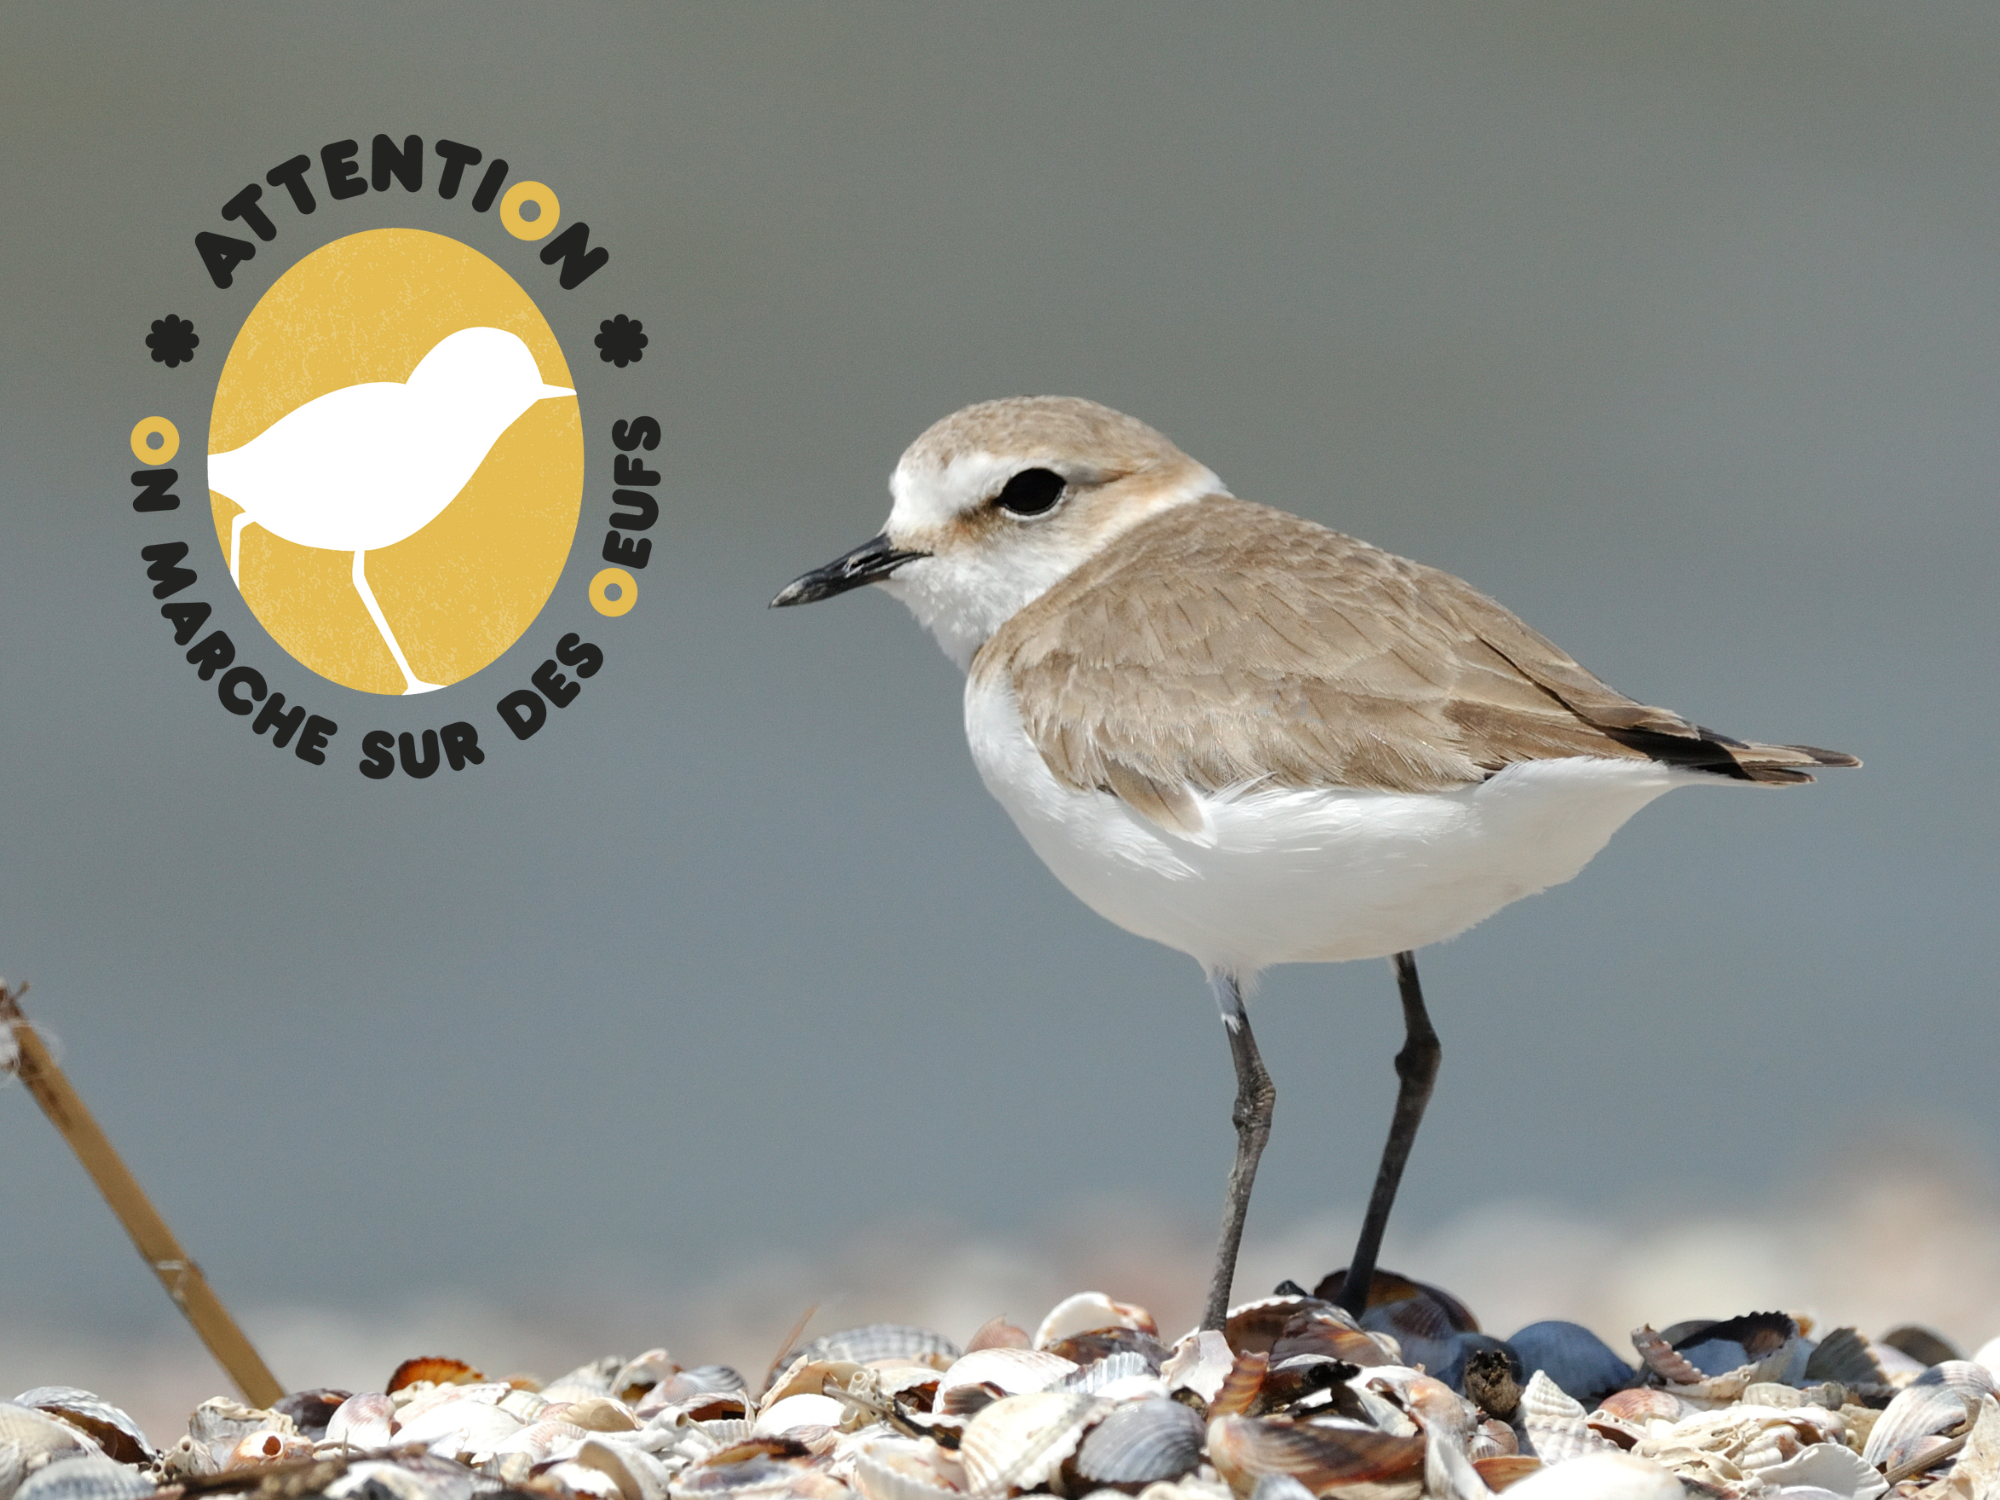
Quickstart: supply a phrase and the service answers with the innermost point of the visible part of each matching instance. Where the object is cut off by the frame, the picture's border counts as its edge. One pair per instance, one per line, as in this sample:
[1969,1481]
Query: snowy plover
[1253,739]
[365,466]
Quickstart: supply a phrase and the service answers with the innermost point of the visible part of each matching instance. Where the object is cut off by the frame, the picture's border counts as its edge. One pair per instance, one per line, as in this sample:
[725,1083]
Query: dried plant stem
[156,1243]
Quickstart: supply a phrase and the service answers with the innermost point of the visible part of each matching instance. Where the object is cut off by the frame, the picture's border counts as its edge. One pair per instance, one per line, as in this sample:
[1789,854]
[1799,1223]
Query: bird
[1254,739]
[365,466]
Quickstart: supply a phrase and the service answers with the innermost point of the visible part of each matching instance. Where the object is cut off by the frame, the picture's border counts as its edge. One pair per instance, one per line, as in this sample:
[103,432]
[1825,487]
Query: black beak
[873,559]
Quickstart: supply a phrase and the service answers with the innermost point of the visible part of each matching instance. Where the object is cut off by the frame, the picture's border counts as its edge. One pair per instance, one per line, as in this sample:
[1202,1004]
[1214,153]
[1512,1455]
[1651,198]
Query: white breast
[1293,876]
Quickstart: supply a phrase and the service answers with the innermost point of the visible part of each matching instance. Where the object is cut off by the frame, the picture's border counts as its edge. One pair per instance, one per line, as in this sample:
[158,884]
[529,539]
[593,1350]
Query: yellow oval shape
[455,593]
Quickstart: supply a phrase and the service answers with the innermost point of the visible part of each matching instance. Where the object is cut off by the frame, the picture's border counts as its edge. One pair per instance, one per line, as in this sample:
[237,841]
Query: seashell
[266,1447]
[34,1437]
[1829,1466]
[107,1426]
[435,1369]
[1129,1376]
[683,1388]
[310,1410]
[640,1374]
[1921,1344]
[637,1474]
[1599,1476]
[362,1422]
[581,1480]
[1844,1355]
[1020,1441]
[1333,1335]
[1276,1487]
[809,1377]
[1718,1348]
[1492,1439]
[585,1381]
[468,1431]
[1141,1443]
[1014,1372]
[600,1414]
[1971,1381]
[797,1411]
[1088,1348]
[1441,1313]
[1642,1404]
[1919,1412]
[1240,1387]
[1976,1474]
[527,1405]
[1504,1470]
[1087,1312]
[1306,1383]
[419,1399]
[897,1341]
[1553,1425]
[1199,1364]
[753,1476]
[901,1469]
[377,1479]
[1576,1359]
[1253,1327]
[1692,1384]
[88,1476]
[997,1333]
[1323,1456]
[543,1440]
[1448,1472]
[214,1430]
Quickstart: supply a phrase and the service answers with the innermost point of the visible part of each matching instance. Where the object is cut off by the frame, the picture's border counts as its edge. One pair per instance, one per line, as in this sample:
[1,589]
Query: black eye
[1032,492]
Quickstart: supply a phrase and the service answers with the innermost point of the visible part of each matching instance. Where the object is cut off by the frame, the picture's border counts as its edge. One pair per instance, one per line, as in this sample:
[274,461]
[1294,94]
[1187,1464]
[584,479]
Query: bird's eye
[1032,492]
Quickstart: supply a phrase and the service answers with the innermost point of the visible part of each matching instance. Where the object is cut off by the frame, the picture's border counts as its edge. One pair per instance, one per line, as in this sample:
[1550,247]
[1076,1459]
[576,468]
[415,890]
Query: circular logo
[395,462]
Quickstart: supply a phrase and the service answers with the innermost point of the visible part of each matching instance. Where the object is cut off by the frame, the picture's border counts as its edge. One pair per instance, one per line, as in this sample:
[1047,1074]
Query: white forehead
[926,494]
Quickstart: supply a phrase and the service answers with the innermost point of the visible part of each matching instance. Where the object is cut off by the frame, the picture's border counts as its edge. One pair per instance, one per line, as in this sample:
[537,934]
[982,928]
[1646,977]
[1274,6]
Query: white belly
[1291,876]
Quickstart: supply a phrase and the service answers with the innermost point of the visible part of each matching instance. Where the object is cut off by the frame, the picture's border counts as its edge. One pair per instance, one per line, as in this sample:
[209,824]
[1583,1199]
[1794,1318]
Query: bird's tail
[1740,760]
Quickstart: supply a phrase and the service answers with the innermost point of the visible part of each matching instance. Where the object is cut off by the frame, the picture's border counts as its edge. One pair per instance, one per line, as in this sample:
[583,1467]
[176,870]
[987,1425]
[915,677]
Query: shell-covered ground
[1292,1398]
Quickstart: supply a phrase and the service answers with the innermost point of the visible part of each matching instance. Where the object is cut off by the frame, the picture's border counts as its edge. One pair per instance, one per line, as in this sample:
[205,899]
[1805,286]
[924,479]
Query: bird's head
[487,370]
[997,502]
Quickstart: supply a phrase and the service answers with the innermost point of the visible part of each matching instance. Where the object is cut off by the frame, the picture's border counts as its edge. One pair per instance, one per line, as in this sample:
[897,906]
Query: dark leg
[1416,1070]
[1252,1117]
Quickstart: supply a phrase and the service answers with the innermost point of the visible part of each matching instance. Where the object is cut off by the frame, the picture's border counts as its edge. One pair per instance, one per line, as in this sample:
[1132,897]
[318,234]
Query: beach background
[732,994]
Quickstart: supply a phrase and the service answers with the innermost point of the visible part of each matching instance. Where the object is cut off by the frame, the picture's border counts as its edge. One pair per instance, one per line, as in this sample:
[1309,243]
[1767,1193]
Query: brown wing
[1223,643]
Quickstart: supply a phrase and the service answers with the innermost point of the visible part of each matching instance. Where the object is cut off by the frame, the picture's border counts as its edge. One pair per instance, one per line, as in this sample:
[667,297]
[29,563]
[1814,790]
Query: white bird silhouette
[365,466]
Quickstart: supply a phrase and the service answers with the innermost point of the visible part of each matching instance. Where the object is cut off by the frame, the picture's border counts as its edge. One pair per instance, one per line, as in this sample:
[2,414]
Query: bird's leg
[1255,1098]
[414,683]
[1416,1071]
[236,547]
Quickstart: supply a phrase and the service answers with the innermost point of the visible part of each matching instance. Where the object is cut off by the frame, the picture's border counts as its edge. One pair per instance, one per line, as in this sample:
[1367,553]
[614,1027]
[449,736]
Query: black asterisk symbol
[172,341]
[621,341]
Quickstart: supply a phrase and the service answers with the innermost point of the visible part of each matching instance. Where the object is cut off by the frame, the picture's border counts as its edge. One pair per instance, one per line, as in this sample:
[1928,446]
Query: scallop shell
[600,1414]
[899,1469]
[1643,1404]
[1554,1426]
[585,1381]
[1844,1355]
[362,1421]
[1323,1456]
[1117,1377]
[106,1425]
[809,1377]
[34,1436]
[1015,1371]
[1505,1470]
[377,1479]
[423,1399]
[1239,1389]
[1142,1442]
[1576,1359]
[310,1410]
[1599,1476]
[637,1474]
[89,1476]
[1330,1333]
[1020,1441]
[1086,1312]
[1917,1413]
[1493,1439]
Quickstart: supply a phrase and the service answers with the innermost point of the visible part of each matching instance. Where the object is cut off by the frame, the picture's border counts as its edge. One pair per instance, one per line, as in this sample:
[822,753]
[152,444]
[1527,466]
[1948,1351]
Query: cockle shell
[106,1425]
[1141,1443]
[413,1402]
[362,1421]
[793,1412]
[1829,1466]
[809,1377]
[875,1341]
[1117,1377]
[433,1370]
[469,1431]
[1086,1312]
[1492,1439]
[1020,1441]
[1599,1476]
[87,1476]
[1200,1363]
[1323,1456]
[585,1381]
[1918,1412]
[637,1474]
[641,1373]
[1575,1358]
[899,1469]
[1015,1371]
[34,1437]
[1643,1404]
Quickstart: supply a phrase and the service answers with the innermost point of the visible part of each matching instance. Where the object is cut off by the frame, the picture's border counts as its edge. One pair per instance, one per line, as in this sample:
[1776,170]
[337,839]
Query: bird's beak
[873,560]
[550,392]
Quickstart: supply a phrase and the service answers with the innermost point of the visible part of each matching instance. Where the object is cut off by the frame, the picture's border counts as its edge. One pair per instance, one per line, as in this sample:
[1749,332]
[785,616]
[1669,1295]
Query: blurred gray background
[1675,328]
